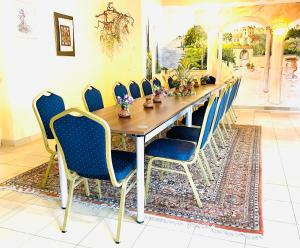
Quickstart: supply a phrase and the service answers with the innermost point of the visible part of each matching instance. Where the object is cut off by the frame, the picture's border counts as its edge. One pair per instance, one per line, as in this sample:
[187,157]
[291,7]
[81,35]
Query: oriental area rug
[231,202]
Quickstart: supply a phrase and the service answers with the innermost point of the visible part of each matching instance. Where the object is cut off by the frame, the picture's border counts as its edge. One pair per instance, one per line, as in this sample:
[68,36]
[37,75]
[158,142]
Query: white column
[276,66]
[219,62]
[212,50]
[267,58]
[140,154]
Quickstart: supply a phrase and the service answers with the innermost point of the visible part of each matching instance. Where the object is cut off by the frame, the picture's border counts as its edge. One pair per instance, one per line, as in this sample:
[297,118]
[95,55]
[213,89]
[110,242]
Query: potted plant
[204,79]
[158,91]
[124,104]
[250,66]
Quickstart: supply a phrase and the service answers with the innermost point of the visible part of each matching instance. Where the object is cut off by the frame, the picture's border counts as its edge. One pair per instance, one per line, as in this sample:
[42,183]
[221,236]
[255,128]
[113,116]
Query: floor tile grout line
[282,165]
[138,236]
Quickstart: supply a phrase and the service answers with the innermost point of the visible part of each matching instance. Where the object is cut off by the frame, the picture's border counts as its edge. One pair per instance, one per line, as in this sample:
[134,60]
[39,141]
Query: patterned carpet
[232,202]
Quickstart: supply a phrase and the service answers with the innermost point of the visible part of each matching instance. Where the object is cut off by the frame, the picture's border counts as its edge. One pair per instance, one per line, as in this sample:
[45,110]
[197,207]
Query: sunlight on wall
[32,64]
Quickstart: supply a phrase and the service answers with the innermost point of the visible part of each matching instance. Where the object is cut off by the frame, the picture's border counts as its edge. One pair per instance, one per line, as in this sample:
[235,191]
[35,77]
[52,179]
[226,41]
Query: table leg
[189,116]
[140,145]
[62,181]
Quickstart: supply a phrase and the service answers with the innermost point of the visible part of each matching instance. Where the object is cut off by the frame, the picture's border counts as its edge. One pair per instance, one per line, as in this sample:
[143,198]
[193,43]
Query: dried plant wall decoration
[114,28]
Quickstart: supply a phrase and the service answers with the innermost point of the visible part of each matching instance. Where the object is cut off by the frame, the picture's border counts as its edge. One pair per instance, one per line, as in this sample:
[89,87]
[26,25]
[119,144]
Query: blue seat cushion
[171,148]
[184,133]
[123,162]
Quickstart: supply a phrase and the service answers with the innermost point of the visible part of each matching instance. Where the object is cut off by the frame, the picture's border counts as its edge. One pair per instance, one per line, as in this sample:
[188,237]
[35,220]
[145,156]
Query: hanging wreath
[114,27]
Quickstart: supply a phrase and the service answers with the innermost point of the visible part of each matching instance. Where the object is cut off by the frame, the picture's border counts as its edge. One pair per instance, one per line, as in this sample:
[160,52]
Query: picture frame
[64,35]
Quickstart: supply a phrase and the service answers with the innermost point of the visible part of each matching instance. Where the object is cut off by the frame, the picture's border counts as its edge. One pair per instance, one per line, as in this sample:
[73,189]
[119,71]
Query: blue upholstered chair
[46,105]
[147,88]
[171,83]
[134,89]
[84,141]
[120,90]
[183,152]
[92,98]
[156,81]
[229,114]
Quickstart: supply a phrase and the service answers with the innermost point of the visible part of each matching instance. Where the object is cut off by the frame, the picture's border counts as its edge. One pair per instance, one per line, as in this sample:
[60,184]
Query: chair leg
[123,139]
[189,176]
[86,187]
[209,172]
[215,144]
[162,173]
[149,170]
[221,135]
[223,144]
[69,203]
[203,172]
[99,188]
[234,114]
[121,211]
[231,115]
[225,130]
[49,169]
[213,154]
[227,120]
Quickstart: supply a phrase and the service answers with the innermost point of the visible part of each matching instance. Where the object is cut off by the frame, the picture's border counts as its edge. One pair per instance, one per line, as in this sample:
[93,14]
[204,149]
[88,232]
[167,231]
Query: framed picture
[64,35]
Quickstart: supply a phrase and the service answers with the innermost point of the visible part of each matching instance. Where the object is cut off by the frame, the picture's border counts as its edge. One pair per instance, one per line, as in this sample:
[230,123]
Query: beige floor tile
[19,197]
[105,233]
[277,234]
[296,207]
[12,239]
[217,233]
[9,171]
[38,242]
[157,237]
[201,241]
[8,209]
[31,219]
[278,211]
[276,192]
[295,194]
[78,227]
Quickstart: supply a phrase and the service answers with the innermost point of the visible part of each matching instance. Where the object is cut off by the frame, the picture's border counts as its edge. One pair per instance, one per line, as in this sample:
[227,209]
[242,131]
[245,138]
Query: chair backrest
[221,106]
[238,86]
[156,81]
[147,88]
[46,105]
[232,94]
[84,141]
[207,122]
[92,98]
[134,89]
[120,90]
[171,83]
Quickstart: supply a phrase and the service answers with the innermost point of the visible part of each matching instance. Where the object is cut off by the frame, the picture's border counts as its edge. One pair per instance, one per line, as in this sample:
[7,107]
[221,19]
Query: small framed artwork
[64,35]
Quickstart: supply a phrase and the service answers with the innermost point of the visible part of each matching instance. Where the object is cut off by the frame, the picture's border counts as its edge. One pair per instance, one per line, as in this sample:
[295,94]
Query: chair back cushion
[48,106]
[120,90]
[93,99]
[221,109]
[83,142]
[232,95]
[170,82]
[207,122]
[147,87]
[156,82]
[135,90]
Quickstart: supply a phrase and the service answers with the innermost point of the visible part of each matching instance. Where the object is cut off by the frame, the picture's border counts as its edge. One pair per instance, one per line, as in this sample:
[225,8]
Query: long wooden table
[143,125]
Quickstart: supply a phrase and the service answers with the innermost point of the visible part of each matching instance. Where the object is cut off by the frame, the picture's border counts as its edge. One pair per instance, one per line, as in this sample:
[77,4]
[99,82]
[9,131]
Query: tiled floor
[30,221]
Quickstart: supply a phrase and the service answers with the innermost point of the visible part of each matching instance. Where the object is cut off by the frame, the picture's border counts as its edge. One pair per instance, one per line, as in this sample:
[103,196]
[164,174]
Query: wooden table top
[144,120]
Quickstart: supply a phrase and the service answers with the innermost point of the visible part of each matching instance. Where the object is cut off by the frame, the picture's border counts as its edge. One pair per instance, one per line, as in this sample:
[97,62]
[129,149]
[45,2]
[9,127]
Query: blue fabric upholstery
[198,115]
[172,149]
[93,99]
[171,83]
[232,95]
[184,133]
[134,90]
[156,82]
[221,110]
[147,87]
[84,147]
[49,106]
[209,121]
[120,90]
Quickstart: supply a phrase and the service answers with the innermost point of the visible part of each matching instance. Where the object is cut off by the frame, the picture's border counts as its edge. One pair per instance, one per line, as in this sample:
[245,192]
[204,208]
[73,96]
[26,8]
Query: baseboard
[19,142]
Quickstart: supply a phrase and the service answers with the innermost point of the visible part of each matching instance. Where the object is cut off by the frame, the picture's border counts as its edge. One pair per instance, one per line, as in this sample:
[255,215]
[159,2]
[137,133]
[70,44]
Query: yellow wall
[31,65]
